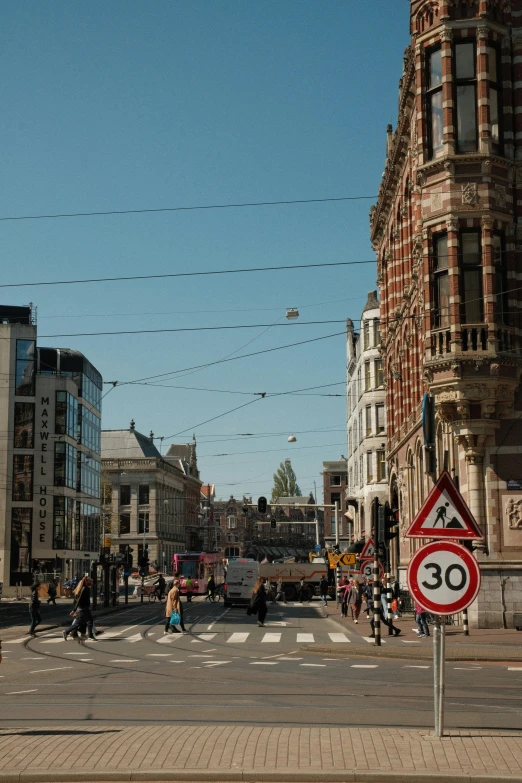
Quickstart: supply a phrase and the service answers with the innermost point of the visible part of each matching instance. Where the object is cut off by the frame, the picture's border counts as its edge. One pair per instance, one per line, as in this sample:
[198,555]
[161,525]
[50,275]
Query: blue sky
[110,106]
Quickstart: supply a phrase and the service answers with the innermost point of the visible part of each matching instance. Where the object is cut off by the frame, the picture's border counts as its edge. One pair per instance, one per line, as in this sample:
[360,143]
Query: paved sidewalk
[480,645]
[257,753]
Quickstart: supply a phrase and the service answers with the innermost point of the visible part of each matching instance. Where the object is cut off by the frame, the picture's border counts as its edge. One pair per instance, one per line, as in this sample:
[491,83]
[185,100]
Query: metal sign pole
[376,600]
[439,654]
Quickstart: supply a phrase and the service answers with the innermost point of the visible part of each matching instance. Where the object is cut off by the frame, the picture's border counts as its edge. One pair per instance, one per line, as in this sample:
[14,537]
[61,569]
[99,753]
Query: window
[361,470]
[124,524]
[89,429]
[379,374]
[143,522]
[361,431]
[376,332]
[501,283]
[350,441]
[466,96]
[495,92]
[335,497]
[231,522]
[24,383]
[367,377]
[143,494]
[66,417]
[356,473]
[335,481]
[23,470]
[472,304]
[359,380]
[434,103]
[125,495]
[23,425]
[355,441]
[65,465]
[369,466]
[64,523]
[21,538]
[366,335]
[380,418]
[381,465]
[441,280]
[368,419]
[88,475]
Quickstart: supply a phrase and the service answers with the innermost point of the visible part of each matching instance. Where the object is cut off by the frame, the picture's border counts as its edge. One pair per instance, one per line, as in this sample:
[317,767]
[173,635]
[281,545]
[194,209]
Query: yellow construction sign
[345,559]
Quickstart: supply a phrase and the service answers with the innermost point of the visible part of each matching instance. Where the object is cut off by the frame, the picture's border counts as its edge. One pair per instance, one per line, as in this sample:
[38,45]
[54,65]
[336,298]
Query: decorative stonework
[478,391]
[512,520]
[501,196]
[436,201]
[470,195]
[452,224]
[446,35]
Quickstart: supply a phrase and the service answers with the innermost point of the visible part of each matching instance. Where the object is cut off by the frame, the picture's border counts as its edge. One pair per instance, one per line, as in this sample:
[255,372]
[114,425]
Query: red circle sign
[443,577]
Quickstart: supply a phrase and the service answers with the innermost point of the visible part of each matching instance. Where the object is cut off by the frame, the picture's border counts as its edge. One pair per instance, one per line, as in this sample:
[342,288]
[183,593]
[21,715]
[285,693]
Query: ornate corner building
[447,230]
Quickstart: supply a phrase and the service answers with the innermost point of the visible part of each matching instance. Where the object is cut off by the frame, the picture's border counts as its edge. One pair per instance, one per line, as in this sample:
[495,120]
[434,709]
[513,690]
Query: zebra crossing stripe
[271,637]
[339,637]
[238,638]
[305,637]
[206,637]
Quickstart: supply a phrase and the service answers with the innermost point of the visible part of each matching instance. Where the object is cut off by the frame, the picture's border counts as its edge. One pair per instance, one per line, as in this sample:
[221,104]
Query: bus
[199,566]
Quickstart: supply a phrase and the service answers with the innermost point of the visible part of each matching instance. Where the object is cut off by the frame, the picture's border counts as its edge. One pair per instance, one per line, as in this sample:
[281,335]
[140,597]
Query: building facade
[50,412]
[366,420]
[334,491]
[145,499]
[448,237]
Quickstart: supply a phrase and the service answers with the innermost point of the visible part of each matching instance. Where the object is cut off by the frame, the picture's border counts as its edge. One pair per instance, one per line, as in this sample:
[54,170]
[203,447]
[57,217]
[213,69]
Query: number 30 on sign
[443,577]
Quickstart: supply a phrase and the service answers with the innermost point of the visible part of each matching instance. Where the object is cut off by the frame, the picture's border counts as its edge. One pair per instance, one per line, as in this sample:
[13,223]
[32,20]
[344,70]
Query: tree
[285,482]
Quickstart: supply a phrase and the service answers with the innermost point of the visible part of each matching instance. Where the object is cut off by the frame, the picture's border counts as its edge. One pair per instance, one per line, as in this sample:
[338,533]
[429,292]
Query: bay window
[441,280]
[494,97]
[472,303]
[434,103]
[465,59]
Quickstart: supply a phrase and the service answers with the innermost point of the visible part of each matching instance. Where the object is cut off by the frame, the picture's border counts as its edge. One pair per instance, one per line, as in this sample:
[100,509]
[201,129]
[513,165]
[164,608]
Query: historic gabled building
[447,230]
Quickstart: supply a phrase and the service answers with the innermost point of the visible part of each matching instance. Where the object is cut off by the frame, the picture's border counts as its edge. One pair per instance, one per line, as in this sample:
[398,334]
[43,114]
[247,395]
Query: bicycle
[216,596]
[155,596]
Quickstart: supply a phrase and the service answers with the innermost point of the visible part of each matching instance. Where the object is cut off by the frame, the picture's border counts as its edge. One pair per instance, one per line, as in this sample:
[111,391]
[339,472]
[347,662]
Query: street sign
[317,547]
[444,514]
[443,577]
[366,570]
[368,550]
[344,559]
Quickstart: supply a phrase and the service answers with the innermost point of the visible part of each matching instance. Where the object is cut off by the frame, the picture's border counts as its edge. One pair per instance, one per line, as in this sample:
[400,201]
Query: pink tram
[199,566]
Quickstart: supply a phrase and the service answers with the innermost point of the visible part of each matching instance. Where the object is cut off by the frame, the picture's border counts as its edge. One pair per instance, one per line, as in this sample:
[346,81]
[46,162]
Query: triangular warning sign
[368,550]
[444,514]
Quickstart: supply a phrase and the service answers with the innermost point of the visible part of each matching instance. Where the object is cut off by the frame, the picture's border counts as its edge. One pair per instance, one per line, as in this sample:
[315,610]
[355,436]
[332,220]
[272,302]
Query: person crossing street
[34,609]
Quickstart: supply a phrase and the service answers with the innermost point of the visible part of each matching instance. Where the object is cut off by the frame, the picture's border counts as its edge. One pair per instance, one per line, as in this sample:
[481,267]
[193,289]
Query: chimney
[389,136]
[132,425]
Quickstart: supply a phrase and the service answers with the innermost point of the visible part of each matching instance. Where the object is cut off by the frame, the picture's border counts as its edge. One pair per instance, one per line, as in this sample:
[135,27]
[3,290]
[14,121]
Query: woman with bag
[258,602]
[173,611]
[354,599]
[83,619]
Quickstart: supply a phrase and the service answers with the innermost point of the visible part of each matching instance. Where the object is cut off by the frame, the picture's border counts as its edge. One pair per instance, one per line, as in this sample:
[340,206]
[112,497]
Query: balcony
[474,338]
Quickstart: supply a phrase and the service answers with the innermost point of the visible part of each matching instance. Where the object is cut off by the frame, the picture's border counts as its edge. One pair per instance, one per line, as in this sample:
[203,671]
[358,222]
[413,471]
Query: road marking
[57,669]
[288,658]
[13,693]
[238,638]
[54,641]
[304,637]
[209,664]
[40,657]
[18,641]
[124,660]
[137,637]
[85,660]
[203,655]
[313,664]
[196,641]
[264,663]
[206,637]
[169,638]
[364,665]
[271,637]
[339,637]
[158,655]
[410,641]
[371,640]
[74,653]
[210,649]
[415,667]
[329,659]
[514,668]
[171,661]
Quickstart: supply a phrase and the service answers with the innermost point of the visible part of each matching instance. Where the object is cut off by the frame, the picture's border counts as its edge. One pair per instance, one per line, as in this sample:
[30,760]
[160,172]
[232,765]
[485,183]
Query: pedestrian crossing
[258,636]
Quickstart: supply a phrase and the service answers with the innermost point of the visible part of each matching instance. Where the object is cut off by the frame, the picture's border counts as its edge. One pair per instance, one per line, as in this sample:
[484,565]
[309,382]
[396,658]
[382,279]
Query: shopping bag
[175,618]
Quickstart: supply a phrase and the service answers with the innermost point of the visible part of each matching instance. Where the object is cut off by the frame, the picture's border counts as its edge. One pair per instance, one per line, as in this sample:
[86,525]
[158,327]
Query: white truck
[292,573]
[241,577]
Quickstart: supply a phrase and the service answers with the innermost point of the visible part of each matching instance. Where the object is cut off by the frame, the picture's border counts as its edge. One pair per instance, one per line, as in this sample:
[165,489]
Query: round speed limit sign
[443,577]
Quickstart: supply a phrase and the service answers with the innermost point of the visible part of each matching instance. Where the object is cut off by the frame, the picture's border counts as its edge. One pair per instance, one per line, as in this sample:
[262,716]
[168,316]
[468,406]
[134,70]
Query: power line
[185,209]
[186,274]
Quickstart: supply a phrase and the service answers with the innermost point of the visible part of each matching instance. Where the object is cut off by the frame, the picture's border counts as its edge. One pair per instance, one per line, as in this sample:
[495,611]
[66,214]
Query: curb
[252,776]
[494,656]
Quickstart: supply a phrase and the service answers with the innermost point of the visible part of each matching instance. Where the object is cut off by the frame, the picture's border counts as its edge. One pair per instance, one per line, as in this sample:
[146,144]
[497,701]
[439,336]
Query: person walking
[354,599]
[51,592]
[211,587]
[323,589]
[258,602]
[280,591]
[173,607]
[421,618]
[160,586]
[189,584]
[367,593]
[392,629]
[302,593]
[83,620]
[34,609]
[344,592]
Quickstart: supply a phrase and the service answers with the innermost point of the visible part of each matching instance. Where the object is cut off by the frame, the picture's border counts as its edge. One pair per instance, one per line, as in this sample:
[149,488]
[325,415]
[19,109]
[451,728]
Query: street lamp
[292,313]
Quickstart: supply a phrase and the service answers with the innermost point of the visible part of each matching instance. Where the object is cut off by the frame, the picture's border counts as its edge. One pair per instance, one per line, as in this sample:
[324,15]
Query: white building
[50,419]
[366,419]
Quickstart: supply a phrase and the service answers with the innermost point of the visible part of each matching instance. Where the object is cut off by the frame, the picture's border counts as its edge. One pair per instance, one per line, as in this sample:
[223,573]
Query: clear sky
[136,105]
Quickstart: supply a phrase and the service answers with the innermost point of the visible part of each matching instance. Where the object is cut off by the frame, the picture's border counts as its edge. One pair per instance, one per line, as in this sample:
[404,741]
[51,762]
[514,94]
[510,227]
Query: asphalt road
[228,670]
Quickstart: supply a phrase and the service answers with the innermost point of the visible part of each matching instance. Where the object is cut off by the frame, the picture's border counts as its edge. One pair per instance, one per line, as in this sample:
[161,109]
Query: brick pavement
[262,753]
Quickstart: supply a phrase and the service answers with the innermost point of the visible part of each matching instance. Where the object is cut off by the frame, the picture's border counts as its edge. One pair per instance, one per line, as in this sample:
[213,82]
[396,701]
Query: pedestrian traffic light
[261,505]
[388,518]
[273,523]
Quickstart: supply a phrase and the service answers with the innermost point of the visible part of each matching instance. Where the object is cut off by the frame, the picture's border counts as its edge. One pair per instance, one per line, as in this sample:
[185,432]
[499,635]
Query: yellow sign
[345,559]
[107,541]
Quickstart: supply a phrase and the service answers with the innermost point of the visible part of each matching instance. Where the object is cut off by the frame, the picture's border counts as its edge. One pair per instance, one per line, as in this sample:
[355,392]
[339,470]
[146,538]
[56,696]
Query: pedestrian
[384,600]
[345,589]
[421,618]
[34,608]
[83,620]
[323,589]
[354,599]
[211,586]
[280,591]
[392,629]
[174,611]
[160,586]
[189,584]
[302,591]
[51,592]
[367,592]
[257,603]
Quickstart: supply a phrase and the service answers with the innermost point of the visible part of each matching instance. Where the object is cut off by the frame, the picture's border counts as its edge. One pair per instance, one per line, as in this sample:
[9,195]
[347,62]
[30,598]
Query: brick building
[448,237]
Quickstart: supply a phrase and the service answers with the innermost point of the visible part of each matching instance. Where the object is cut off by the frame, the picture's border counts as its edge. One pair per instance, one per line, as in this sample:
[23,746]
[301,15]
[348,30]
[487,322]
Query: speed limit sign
[443,577]
[366,570]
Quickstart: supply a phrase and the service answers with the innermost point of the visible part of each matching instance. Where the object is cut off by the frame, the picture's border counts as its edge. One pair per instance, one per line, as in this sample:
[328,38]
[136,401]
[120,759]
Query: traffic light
[387,519]
[273,523]
[261,505]
[129,552]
